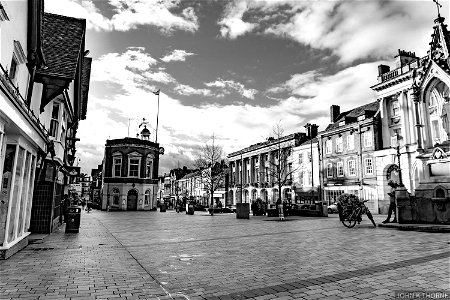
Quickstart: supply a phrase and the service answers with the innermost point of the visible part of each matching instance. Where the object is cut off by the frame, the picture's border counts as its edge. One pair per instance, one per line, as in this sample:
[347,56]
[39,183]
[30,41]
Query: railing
[20,100]
[389,75]
[402,70]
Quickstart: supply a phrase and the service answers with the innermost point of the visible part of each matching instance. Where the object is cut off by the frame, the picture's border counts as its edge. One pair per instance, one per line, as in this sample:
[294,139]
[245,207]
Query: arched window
[115,196]
[147,197]
[438,117]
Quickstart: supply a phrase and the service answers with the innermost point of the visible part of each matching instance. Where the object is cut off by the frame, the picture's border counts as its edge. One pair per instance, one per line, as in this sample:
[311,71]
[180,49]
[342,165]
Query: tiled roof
[62,40]
[354,113]
[85,78]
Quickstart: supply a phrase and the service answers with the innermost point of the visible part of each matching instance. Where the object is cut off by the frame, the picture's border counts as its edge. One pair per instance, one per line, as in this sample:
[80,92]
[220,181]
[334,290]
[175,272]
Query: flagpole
[157,117]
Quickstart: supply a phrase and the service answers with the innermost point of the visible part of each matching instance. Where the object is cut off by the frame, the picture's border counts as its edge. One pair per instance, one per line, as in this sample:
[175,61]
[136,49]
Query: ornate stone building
[130,173]
[415,112]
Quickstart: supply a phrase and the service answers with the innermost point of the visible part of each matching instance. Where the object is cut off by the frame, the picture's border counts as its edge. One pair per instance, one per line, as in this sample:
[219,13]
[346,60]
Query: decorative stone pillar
[416,99]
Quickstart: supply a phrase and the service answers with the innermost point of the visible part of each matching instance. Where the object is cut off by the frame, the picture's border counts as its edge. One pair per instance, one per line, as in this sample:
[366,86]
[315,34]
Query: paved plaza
[154,255]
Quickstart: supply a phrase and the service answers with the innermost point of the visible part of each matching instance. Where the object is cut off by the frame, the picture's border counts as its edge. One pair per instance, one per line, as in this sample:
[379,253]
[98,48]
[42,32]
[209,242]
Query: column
[261,169]
[416,100]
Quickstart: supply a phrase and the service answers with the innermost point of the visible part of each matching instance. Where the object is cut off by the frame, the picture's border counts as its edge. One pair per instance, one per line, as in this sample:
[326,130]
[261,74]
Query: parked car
[332,208]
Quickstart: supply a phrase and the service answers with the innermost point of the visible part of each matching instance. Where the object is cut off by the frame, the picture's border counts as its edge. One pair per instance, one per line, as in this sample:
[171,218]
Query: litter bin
[73,219]
[162,207]
[190,209]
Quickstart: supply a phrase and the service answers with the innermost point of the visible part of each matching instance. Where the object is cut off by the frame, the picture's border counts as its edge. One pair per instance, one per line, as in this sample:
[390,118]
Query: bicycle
[353,214]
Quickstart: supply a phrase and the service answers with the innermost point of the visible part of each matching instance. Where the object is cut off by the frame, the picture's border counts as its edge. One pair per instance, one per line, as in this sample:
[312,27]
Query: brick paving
[153,255]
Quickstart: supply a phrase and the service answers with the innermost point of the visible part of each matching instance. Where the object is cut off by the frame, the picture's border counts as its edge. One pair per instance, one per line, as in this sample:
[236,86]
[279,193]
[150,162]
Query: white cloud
[127,69]
[186,90]
[177,55]
[84,9]
[313,93]
[128,14]
[228,85]
[351,30]
[232,24]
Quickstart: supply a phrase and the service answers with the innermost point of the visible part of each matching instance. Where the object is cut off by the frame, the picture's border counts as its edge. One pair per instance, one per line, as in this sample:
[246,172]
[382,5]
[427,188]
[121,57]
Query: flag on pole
[157,92]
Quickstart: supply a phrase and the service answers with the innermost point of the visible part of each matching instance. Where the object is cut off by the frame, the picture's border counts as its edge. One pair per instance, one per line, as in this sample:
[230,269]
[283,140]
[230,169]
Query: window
[309,156]
[367,137]
[133,169]
[329,170]
[115,195]
[351,142]
[328,146]
[117,166]
[290,171]
[300,177]
[300,158]
[18,58]
[368,166]
[308,178]
[54,123]
[395,109]
[147,197]
[340,169]
[148,168]
[13,68]
[339,145]
[351,165]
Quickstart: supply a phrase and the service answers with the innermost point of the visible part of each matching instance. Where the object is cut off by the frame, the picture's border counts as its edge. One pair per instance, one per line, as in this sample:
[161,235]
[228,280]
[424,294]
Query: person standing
[392,209]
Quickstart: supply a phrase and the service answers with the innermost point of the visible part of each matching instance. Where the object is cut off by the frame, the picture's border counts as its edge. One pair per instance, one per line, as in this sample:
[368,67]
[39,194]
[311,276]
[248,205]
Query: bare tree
[280,169]
[213,168]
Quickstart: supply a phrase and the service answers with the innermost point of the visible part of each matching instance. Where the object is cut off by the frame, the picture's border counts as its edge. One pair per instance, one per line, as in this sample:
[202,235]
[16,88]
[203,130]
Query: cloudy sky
[234,69]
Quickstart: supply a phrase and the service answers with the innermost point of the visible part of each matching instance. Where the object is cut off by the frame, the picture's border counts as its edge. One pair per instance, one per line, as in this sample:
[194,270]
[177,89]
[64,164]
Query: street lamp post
[309,127]
[398,154]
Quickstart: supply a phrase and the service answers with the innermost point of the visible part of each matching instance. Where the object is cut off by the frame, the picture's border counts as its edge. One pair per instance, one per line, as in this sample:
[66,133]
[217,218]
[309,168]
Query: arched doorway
[230,199]
[254,195]
[263,195]
[287,195]
[275,195]
[246,196]
[132,200]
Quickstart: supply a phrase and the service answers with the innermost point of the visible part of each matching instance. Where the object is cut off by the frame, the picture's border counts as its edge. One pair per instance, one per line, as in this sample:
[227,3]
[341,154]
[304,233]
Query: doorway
[132,200]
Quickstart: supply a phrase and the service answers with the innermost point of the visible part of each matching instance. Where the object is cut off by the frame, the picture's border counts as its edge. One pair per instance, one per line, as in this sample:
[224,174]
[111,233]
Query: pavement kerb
[417,227]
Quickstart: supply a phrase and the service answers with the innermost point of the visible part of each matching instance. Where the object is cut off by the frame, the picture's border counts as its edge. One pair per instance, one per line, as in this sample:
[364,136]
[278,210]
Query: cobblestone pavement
[153,255]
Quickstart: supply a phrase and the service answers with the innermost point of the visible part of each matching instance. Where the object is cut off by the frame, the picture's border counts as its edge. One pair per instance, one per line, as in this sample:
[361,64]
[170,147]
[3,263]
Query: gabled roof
[353,114]
[63,39]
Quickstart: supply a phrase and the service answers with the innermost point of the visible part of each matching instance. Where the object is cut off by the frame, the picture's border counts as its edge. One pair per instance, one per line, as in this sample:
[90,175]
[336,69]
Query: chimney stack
[382,69]
[335,110]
